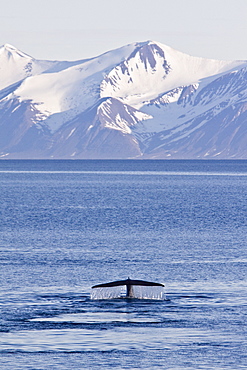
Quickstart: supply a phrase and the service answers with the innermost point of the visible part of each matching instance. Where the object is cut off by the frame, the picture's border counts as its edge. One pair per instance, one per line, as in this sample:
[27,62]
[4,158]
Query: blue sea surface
[68,225]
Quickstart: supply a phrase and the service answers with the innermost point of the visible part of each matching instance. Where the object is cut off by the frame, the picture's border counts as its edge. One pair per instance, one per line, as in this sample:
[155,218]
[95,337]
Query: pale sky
[78,29]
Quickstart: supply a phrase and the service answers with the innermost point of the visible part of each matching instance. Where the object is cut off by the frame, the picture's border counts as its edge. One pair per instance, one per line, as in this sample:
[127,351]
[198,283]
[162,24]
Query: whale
[129,285]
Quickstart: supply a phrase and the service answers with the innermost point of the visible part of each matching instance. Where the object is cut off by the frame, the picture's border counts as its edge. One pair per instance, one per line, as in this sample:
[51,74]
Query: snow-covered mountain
[144,100]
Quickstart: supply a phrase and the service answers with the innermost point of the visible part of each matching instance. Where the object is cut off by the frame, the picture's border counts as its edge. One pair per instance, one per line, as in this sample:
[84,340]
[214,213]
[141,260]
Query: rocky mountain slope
[144,100]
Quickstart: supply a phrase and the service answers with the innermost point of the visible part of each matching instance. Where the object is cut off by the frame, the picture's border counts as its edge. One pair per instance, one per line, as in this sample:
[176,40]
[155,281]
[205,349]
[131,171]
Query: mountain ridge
[142,100]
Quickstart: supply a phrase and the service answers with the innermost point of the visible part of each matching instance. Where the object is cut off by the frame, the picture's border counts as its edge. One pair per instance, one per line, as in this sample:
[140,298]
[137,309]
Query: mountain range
[141,101]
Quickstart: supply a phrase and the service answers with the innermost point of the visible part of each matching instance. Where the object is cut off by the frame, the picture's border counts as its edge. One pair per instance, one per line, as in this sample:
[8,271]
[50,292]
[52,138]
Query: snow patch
[71,133]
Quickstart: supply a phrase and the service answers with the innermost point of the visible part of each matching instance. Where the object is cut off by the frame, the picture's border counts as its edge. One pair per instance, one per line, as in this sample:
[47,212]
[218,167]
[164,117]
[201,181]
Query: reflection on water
[123,339]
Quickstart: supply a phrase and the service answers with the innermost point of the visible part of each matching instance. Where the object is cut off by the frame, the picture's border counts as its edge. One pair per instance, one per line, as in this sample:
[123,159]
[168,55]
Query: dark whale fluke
[129,284]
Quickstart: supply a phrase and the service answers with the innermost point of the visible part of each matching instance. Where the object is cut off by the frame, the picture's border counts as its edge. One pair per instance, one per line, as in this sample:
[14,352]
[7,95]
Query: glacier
[142,100]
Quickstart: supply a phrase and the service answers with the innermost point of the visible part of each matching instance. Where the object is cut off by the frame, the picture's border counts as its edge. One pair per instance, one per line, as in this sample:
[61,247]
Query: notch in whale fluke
[129,283]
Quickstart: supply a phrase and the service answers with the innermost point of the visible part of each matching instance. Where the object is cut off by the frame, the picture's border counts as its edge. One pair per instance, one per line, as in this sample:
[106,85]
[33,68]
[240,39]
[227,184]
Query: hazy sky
[77,29]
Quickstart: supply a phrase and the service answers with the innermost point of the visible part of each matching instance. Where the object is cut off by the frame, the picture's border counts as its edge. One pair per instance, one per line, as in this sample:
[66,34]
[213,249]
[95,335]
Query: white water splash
[139,292]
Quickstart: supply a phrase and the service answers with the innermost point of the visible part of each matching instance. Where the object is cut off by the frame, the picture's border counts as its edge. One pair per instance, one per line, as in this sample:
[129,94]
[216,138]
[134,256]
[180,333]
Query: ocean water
[68,225]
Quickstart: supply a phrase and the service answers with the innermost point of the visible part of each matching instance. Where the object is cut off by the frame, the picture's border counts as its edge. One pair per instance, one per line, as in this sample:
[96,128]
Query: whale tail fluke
[133,289]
